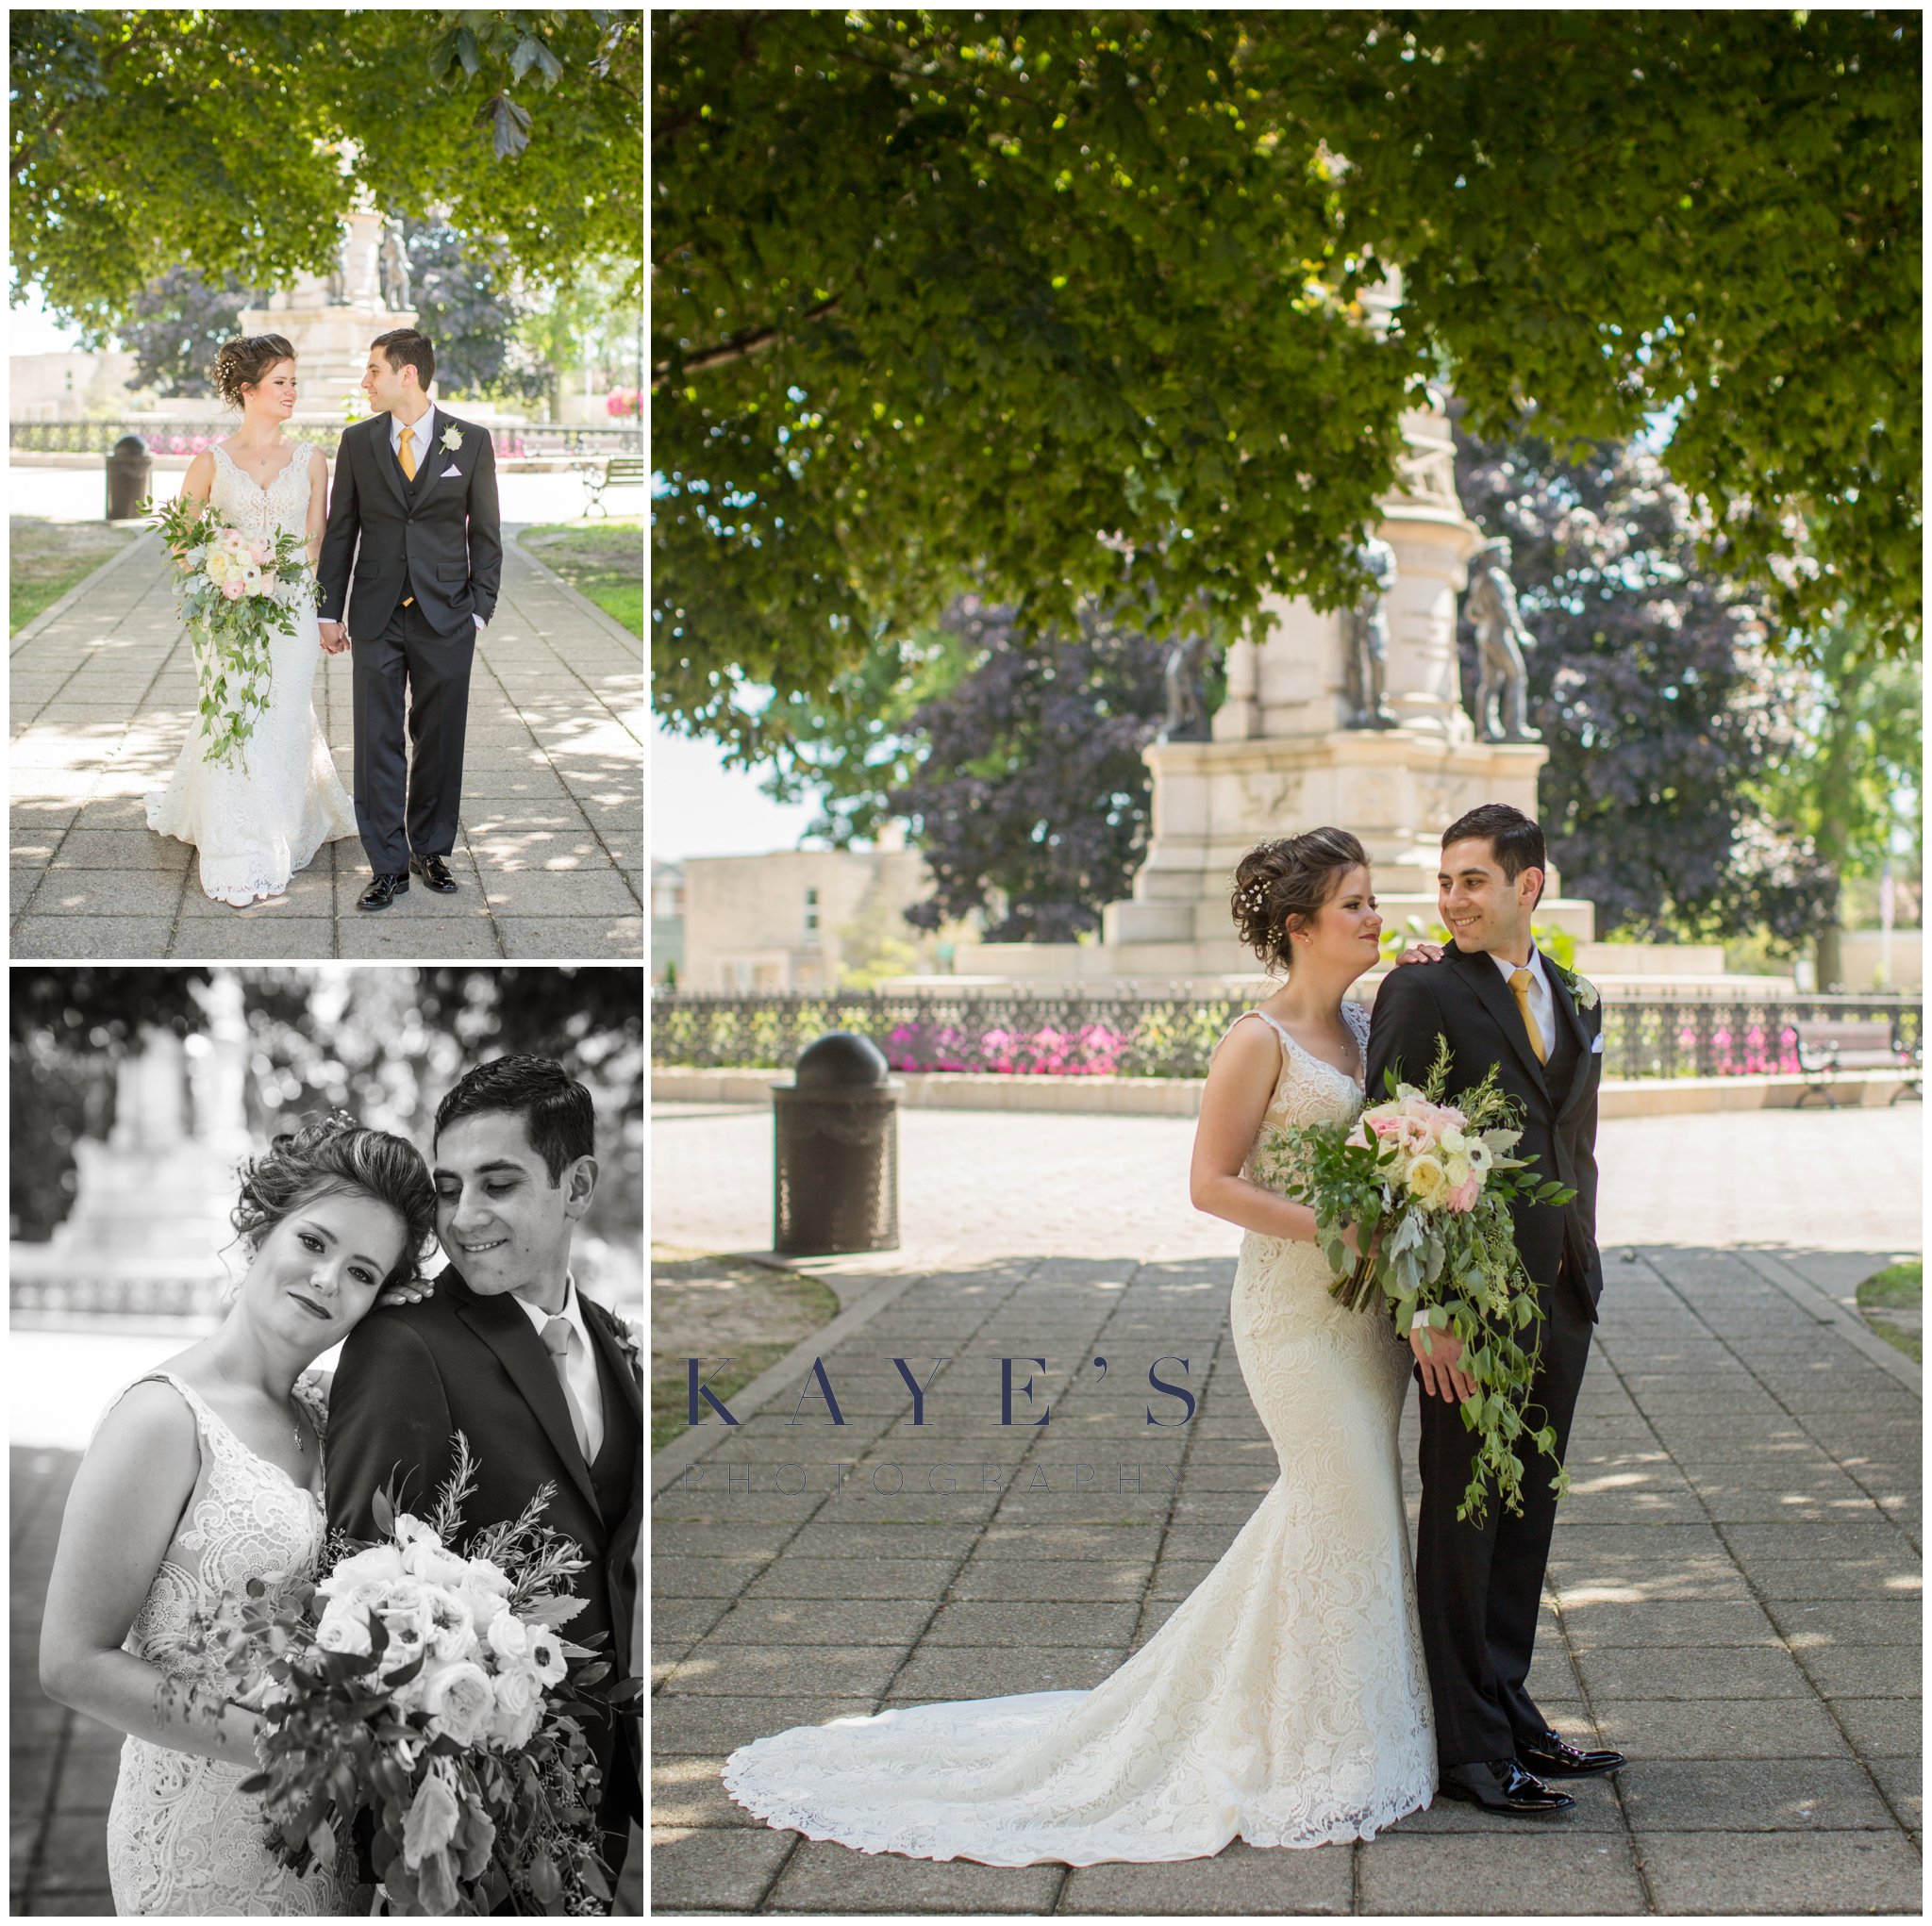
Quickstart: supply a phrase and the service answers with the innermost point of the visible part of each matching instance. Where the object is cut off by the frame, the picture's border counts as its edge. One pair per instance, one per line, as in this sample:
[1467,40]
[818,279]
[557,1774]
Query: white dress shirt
[422,448]
[580,1361]
[1542,1001]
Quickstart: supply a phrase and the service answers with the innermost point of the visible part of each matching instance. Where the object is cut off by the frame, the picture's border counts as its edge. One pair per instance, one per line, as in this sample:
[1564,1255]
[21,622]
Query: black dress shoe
[435,871]
[384,888]
[1502,1786]
[1554,1759]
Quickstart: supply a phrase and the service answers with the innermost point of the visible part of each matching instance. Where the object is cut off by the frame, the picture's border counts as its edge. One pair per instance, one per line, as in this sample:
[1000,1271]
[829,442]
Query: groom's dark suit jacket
[440,532]
[1464,998]
[1478,1587]
[411,1378]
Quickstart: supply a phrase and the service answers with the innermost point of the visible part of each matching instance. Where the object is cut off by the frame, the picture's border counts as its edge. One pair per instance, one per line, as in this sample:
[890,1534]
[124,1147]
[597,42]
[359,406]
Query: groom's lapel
[620,1366]
[510,1333]
[1567,1012]
[386,459]
[1480,972]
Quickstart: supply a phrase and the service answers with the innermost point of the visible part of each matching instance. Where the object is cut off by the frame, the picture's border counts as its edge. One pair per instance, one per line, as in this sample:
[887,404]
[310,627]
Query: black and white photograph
[325,1408]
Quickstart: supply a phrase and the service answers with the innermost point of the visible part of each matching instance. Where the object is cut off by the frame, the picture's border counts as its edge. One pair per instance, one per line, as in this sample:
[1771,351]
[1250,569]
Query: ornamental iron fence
[1174,1037]
[189,438]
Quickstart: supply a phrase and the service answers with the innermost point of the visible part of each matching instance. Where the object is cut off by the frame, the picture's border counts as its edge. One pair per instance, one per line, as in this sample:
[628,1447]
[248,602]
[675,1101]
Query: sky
[700,808]
[31,330]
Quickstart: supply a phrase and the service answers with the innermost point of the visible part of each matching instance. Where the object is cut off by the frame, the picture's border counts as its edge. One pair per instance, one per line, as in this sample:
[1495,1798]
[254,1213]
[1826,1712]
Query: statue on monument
[1365,640]
[1503,686]
[1187,695]
[396,270]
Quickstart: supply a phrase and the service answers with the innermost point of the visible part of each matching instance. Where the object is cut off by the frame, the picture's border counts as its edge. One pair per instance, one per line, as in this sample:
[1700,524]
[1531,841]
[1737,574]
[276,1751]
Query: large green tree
[952,300]
[143,141]
[181,321]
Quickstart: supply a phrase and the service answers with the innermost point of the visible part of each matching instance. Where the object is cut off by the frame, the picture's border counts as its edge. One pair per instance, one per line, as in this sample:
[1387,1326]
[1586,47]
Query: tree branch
[750,340]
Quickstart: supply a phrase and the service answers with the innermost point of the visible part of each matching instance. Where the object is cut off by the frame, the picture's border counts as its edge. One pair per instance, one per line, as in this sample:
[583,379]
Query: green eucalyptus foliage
[952,300]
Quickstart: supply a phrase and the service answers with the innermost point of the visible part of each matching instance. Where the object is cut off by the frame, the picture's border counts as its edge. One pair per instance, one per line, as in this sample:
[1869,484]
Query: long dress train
[256,825]
[1285,1702]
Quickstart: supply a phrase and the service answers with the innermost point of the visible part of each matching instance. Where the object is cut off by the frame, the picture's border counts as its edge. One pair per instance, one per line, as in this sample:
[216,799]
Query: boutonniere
[628,1341]
[1581,988]
[451,440]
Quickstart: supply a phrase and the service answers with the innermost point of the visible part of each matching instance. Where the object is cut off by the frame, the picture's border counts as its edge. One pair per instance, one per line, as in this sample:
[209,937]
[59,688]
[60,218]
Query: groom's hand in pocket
[1441,1365]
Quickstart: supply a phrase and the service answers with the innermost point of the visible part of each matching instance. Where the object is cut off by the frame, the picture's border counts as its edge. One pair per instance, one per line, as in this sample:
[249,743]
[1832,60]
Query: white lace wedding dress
[257,824]
[181,1838]
[1284,1703]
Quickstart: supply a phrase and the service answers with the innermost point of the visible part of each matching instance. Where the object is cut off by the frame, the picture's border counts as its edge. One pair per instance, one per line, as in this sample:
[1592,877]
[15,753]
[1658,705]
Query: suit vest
[1560,1070]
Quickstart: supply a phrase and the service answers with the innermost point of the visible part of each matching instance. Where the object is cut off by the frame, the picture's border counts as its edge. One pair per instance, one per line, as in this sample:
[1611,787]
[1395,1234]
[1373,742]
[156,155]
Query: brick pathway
[550,856]
[1733,1599]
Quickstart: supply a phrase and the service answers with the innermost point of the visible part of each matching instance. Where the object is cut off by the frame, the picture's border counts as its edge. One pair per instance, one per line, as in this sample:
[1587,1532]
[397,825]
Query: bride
[1285,1702]
[256,825]
[202,1474]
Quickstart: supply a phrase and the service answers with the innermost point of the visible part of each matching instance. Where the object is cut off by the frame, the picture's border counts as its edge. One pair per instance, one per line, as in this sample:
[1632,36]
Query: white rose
[459,1701]
[343,1629]
[513,1730]
[508,1637]
[452,1631]
[378,1564]
[516,1688]
[1429,1183]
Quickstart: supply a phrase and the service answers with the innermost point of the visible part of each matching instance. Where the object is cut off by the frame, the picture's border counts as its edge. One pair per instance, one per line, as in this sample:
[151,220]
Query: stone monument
[150,1217]
[332,318]
[1305,737]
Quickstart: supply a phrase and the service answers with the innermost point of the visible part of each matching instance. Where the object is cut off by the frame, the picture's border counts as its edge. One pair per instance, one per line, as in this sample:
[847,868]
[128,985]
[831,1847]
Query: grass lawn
[49,557]
[602,558]
[717,1307]
[1891,1302]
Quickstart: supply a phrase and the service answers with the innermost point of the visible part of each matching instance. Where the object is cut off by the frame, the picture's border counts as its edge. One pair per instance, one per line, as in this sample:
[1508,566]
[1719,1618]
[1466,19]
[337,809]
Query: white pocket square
[1596,1046]
[451,469]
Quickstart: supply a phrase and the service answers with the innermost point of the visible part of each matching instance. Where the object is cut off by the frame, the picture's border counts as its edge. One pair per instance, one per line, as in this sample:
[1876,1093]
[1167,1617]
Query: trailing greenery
[1005,303]
[1429,1203]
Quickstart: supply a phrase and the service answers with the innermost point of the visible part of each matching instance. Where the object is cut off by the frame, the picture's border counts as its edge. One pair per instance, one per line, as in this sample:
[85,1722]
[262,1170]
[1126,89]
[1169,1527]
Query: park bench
[1826,1047]
[610,471]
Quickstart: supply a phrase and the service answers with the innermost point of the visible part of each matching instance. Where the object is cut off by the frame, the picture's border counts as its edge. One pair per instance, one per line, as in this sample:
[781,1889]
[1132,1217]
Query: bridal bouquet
[428,1689]
[1427,1185]
[234,592]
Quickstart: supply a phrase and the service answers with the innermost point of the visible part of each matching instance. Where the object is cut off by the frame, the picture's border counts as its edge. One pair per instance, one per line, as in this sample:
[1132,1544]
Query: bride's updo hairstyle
[1281,886]
[326,1158]
[243,362]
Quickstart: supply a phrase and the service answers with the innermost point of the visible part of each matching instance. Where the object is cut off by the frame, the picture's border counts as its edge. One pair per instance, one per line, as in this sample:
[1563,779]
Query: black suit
[1479,1588]
[435,542]
[411,1378]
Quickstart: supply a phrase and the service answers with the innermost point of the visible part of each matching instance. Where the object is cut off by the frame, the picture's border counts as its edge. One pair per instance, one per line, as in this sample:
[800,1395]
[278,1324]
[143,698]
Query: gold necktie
[1519,981]
[408,462]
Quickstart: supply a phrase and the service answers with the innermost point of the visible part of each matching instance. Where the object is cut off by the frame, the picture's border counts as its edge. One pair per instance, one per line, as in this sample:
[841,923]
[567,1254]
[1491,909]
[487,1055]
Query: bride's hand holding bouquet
[1412,1204]
[234,593]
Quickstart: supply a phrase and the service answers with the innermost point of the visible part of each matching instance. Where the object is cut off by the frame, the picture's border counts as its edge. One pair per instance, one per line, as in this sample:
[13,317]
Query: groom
[540,1380]
[414,505]
[1500,1001]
